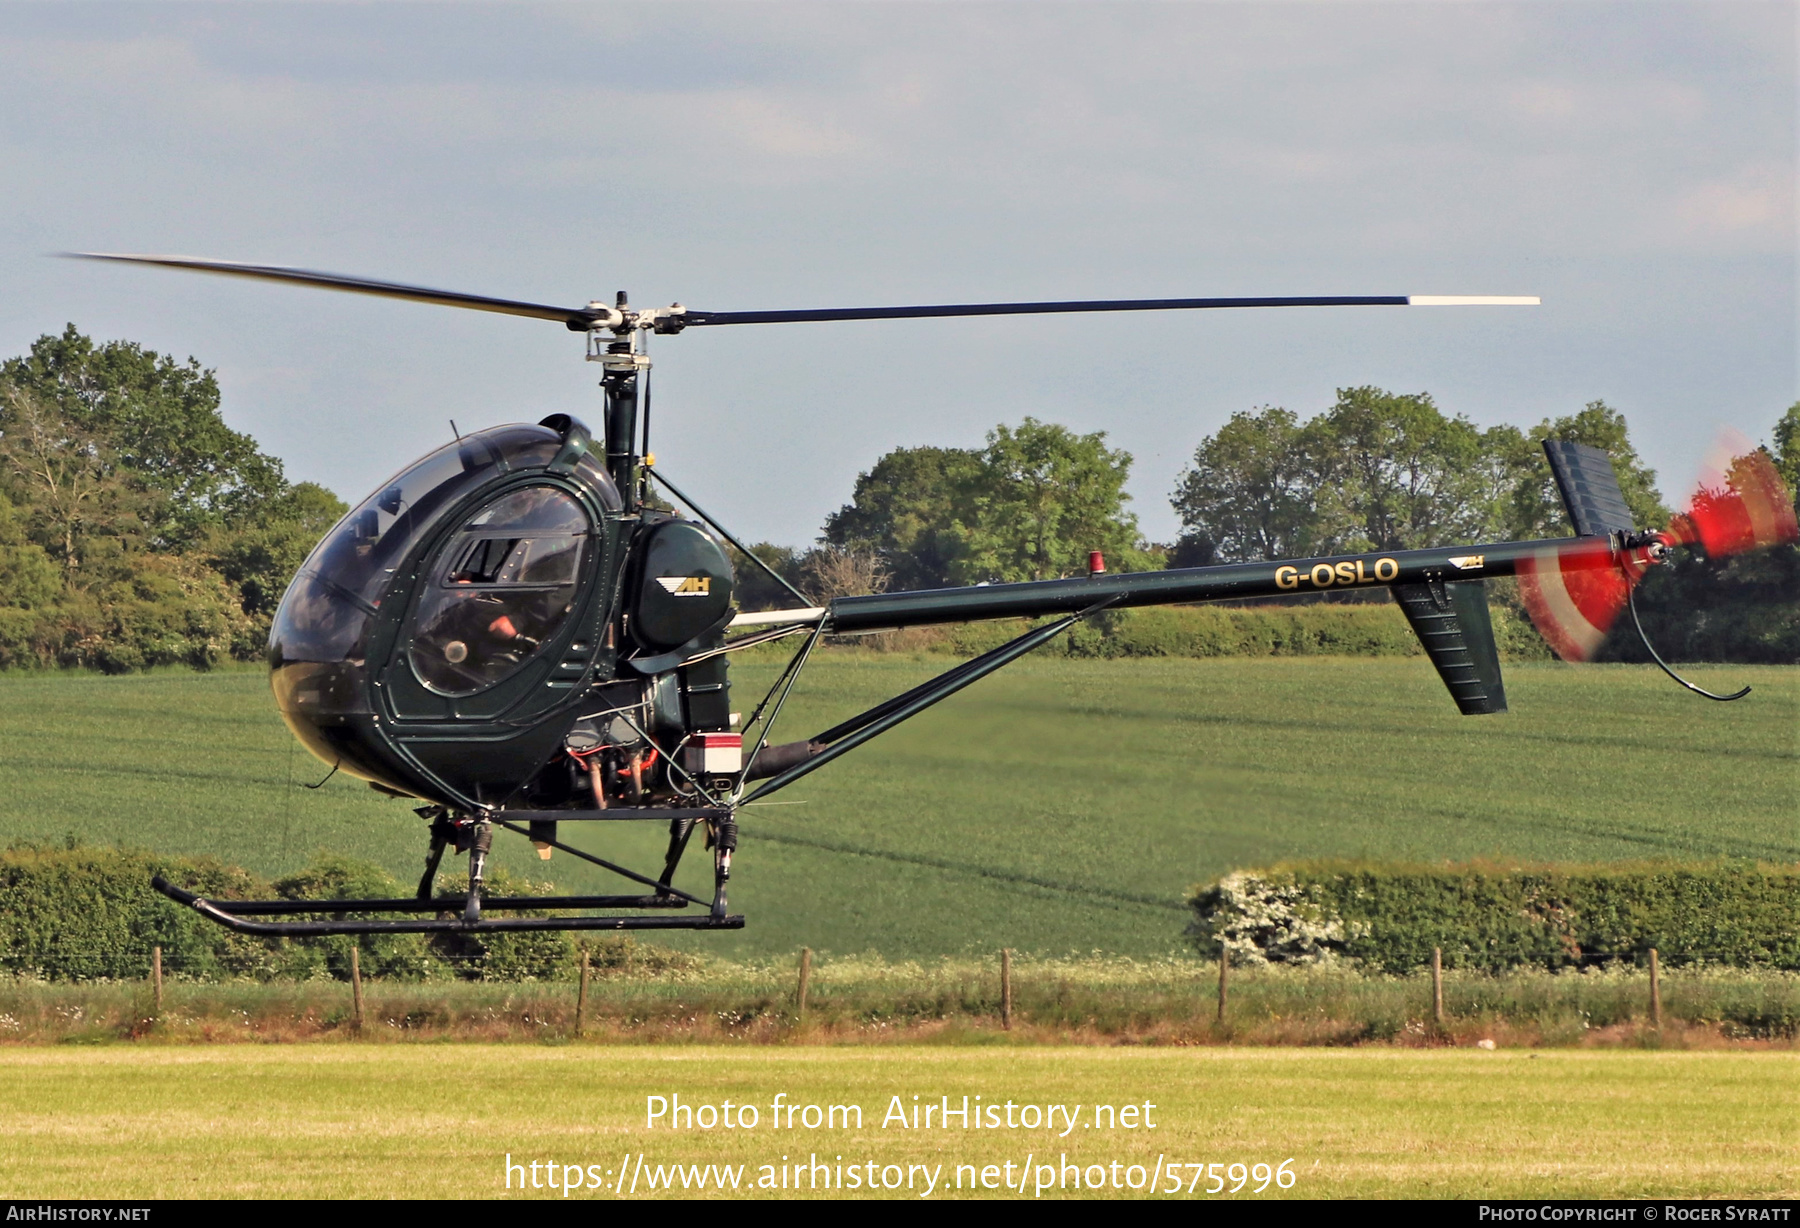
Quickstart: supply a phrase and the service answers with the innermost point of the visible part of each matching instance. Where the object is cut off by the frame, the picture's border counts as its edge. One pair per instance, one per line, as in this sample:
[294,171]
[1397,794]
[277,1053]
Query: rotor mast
[621,358]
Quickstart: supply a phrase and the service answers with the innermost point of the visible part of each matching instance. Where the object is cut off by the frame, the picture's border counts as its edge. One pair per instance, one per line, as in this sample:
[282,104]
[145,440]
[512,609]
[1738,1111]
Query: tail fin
[1589,487]
[1574,591]
[1451,621]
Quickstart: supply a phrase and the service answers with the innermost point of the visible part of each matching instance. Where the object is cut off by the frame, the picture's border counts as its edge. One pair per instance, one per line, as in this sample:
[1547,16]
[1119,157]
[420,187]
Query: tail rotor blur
[1575,592]
[1741,505]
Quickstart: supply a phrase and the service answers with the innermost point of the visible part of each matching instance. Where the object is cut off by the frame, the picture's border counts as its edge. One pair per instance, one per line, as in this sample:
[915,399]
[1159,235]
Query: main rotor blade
[693,319]
[574,317]
[582,318]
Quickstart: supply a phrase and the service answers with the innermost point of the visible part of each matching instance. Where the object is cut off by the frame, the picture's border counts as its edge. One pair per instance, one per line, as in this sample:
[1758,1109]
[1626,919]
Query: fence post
[356,1009]
[805,978]
[1006,988]
[1224,967]
[581,993]
[156,979]
[1437,986]
[1655,990]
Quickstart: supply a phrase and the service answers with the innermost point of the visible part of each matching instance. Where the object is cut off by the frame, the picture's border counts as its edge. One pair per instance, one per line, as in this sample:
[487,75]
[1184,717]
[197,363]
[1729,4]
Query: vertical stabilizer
[1451,621]
[1589,487]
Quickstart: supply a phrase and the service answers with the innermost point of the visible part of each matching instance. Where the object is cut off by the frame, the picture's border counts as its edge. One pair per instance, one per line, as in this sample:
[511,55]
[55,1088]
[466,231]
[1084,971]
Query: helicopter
[514,632]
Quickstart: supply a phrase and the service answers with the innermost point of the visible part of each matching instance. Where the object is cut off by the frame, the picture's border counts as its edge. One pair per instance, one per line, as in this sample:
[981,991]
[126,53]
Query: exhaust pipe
[774,760]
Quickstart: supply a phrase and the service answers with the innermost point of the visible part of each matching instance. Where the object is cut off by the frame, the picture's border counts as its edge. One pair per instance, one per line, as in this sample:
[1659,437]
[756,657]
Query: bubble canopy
[319,637]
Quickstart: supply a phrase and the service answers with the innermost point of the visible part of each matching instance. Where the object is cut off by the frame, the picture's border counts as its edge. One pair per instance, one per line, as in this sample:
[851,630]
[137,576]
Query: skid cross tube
[622,813]
[607,865]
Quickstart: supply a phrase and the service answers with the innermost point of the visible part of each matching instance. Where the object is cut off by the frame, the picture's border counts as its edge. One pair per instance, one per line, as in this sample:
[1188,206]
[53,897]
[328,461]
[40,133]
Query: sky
[1633,164]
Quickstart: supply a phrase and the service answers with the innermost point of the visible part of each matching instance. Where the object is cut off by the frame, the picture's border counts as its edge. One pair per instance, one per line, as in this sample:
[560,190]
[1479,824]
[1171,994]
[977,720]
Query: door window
[501,590]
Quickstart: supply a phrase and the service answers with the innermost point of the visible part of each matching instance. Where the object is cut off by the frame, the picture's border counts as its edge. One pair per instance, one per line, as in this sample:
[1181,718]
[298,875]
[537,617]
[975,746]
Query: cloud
[1629,162]
[1758,201]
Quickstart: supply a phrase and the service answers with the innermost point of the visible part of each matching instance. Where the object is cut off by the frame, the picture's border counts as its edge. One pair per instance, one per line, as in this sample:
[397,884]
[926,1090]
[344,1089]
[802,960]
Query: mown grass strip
[373,1122]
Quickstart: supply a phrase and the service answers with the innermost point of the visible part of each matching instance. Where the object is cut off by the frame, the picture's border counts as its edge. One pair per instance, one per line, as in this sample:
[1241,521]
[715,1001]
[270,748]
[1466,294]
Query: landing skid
[463,914]
[232,914]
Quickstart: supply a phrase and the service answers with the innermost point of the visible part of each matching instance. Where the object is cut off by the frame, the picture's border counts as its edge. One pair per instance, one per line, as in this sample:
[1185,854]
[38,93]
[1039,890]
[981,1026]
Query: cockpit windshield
[325,614]
[362,553]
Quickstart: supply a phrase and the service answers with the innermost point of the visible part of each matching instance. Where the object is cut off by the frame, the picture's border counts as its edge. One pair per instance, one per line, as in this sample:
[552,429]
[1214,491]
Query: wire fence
[1177,1000]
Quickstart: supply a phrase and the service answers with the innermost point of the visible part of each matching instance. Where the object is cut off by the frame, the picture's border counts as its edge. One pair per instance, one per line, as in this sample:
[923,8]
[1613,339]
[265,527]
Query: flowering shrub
[1268,920]
[1388,917]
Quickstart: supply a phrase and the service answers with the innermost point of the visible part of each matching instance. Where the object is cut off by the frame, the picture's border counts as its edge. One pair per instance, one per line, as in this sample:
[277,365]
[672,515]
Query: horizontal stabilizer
[1451,621]
[1590,488]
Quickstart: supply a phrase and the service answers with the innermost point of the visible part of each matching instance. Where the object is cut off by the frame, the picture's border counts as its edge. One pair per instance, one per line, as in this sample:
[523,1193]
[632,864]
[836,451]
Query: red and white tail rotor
[1576,591]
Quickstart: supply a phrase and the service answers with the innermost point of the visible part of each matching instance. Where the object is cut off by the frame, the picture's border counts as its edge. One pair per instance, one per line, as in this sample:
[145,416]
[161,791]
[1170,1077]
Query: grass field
[1063,805]
[440,1120]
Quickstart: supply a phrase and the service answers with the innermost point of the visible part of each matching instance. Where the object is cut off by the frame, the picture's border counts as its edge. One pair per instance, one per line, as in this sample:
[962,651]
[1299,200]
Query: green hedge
[80,914]
[1389,917]
[1358,630]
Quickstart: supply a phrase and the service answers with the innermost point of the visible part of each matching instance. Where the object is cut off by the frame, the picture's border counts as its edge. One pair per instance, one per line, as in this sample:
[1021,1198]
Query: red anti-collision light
[1096,563]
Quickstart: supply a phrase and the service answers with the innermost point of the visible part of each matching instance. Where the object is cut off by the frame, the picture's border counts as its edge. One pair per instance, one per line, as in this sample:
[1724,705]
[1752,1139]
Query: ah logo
[686,586]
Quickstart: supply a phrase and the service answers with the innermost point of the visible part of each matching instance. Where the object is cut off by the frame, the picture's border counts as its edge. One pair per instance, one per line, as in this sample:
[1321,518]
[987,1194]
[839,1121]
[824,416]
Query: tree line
[1386,471]
[1375,471]
[138,529]
[1029,505]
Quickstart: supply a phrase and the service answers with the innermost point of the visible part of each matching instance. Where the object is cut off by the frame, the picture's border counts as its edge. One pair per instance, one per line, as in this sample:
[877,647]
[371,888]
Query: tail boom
[1182,586]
